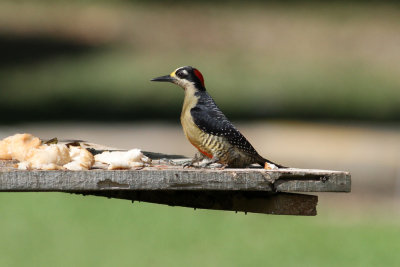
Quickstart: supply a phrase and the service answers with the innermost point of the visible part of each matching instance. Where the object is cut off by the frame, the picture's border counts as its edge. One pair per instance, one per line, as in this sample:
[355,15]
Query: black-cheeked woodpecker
[207,128]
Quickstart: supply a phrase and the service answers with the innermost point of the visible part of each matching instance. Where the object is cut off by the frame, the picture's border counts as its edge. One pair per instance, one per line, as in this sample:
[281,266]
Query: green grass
[54,229]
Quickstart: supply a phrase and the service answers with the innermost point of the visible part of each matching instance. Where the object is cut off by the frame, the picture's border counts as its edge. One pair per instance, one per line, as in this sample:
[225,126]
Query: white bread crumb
[123,160]
[81,158]
[18,146]
[46,157]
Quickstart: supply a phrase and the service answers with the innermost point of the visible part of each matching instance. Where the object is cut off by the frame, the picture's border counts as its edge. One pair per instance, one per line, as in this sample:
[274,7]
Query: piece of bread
[18,146]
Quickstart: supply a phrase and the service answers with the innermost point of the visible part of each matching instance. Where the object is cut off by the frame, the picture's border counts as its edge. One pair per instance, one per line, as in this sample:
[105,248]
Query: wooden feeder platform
[167,182]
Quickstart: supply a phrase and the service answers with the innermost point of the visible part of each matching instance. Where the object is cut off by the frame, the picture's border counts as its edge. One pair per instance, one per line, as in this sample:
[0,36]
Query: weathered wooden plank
[248,201]
[283,180]
[167,182]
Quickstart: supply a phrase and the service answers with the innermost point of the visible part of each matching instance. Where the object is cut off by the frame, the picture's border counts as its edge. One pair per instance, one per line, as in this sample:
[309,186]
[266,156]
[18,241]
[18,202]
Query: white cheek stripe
[184,83]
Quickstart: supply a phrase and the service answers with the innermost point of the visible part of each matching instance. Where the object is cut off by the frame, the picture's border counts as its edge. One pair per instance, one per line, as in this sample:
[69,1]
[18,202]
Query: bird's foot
[219,166]
[214,164]
[198,157]
[189,164]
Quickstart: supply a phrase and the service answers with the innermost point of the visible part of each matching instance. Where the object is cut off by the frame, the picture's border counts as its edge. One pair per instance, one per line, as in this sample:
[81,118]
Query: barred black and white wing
[210,119]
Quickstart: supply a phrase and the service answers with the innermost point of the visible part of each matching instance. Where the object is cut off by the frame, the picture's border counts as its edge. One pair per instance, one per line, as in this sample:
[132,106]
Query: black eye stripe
[180,74]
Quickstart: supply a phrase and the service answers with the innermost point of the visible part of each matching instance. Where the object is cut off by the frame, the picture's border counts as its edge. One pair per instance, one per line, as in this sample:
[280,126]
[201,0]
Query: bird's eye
[181,73]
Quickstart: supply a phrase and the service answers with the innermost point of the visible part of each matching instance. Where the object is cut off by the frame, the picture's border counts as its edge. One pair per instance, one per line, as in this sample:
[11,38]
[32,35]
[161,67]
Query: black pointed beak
[166,78]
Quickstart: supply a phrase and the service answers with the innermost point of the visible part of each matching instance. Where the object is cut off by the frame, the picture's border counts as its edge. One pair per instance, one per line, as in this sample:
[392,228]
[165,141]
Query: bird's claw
[223,166]
[213,165]
[189,164]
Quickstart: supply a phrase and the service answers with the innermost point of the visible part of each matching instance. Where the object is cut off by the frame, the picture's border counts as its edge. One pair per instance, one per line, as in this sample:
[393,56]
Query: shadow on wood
[249,201]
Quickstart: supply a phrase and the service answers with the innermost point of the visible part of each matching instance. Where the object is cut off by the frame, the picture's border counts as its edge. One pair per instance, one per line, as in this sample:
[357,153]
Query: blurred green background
[93,60]
[312,85]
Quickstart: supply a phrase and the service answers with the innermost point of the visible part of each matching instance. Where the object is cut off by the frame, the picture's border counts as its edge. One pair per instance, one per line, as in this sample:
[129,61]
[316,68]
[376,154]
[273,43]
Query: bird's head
[186,77]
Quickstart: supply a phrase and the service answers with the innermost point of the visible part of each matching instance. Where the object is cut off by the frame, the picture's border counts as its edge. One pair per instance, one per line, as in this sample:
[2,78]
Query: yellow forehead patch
[173,73]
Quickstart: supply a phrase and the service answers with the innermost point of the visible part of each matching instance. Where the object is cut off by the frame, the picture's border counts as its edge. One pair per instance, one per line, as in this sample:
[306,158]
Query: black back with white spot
[210,119]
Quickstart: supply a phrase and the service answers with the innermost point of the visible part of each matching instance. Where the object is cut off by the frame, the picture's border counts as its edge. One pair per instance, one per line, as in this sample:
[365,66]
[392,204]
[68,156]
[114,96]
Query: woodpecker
[207,128]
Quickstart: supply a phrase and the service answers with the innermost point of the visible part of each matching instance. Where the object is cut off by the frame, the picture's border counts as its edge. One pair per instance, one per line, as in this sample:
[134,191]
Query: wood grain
[286,180]
[167,182]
